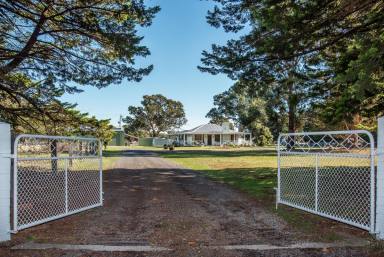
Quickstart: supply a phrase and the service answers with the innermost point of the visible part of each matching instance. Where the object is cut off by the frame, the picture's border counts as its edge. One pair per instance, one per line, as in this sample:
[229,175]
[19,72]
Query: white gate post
[380,180]
[5,181]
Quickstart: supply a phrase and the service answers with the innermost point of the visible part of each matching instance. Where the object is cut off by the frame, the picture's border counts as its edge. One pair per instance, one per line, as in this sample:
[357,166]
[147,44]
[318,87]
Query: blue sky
[176,39]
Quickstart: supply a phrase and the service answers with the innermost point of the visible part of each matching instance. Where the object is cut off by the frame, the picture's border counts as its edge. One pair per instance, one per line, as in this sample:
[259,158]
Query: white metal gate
[331,174]
[54,177]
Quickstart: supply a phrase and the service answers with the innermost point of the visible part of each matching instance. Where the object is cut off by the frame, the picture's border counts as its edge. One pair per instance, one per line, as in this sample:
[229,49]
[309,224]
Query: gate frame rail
[372,227]
[15,157]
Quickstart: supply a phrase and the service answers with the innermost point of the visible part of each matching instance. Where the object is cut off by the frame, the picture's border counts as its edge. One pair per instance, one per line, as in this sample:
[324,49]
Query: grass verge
[111,155]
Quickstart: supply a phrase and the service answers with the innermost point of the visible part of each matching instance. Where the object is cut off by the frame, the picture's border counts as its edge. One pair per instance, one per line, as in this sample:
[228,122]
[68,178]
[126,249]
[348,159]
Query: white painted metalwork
[55,177]
[331,174]
[380,180]
[5,181]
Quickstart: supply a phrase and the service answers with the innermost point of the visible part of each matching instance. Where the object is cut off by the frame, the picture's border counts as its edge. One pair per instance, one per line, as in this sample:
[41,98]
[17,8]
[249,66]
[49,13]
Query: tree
[295,81]
[339,41]
[157,114]
[67,122]
[356,97]
[262,134]
[244,107]
[288,87]
[46,45]
[287,29]
[237,105]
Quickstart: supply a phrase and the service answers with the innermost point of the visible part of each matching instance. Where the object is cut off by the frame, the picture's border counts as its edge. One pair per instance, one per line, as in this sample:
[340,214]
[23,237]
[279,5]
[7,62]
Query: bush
[263,135]
[230,145]
[171,147]
[165,146]
[176,144]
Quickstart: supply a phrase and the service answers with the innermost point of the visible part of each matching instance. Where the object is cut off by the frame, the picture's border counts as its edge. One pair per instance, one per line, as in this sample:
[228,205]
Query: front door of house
[209,139]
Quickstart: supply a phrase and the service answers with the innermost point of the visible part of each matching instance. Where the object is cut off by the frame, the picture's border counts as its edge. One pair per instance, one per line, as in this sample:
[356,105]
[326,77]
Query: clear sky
[176,39]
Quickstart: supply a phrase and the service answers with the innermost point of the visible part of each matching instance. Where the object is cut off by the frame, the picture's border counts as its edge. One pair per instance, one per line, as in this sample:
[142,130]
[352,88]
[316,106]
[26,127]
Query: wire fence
[55,177]
[331,174]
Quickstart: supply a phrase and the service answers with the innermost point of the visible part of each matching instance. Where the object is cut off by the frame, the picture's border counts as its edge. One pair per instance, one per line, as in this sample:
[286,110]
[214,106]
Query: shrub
[263,135]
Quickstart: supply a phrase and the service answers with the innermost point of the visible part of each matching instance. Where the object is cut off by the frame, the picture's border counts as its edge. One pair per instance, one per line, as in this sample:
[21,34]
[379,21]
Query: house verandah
[211,135]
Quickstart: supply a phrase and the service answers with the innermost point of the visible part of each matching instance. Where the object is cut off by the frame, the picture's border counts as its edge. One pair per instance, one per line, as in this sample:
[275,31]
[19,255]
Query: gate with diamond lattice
[54,177]
[331,174]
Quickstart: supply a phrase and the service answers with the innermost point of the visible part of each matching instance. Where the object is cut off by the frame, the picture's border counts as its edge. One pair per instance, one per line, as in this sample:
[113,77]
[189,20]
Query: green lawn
[111,155]
[251,170]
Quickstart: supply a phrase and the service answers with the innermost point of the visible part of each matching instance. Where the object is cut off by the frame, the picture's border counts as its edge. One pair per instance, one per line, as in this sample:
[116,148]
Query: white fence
[331,174]
[54,177]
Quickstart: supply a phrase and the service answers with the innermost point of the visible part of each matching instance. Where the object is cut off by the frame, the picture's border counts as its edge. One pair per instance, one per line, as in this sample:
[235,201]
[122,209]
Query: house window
[217,138]
[198,137]
[232,137]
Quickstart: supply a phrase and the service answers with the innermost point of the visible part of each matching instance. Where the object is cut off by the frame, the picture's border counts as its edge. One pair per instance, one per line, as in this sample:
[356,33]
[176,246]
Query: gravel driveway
[152,202]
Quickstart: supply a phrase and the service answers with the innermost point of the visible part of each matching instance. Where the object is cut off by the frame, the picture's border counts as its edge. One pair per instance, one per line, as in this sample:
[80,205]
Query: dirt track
[150,201]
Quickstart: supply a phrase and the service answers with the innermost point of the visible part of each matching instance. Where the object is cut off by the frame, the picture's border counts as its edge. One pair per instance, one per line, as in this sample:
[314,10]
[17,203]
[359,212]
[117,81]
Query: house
[211,134]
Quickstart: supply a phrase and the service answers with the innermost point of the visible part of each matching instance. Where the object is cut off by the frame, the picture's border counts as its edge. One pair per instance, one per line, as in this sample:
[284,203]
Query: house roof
[209,129]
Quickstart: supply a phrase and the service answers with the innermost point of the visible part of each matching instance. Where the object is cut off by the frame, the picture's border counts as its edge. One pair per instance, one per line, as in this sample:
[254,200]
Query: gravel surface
[150,201]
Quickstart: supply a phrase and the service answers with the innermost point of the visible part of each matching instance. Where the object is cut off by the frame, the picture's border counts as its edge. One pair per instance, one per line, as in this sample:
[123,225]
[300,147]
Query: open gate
[331,174]
[54,177]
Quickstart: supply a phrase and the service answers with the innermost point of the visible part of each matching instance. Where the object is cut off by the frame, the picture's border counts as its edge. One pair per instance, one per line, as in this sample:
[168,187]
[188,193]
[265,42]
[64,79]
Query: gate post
[5,181]
[380,180]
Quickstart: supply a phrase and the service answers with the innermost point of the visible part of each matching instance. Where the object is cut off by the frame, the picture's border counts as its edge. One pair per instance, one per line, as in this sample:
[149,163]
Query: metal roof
[209,129]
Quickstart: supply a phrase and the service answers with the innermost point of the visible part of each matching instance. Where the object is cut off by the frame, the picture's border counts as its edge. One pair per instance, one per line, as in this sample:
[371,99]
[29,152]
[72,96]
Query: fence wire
[55,177]
[331,174]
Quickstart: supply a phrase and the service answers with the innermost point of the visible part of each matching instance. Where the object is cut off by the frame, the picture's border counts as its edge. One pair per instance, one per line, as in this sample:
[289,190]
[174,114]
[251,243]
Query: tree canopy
[157,114]
[244,106]
[48,48]
[319,58]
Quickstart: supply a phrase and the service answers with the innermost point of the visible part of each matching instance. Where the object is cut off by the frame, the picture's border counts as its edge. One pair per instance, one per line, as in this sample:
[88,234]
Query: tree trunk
[53,148]
[292,117]
[70,154]
[292,107]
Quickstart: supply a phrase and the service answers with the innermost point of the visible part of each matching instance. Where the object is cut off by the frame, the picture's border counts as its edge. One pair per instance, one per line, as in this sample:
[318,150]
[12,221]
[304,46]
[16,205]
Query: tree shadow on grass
[213,154]
[128,153]
[191,153]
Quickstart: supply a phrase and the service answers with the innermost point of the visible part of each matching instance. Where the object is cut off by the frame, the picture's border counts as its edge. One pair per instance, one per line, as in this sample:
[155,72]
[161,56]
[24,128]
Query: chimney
[226,125]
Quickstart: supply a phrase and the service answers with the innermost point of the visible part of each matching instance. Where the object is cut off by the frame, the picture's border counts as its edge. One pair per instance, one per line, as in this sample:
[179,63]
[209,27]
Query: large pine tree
[51,47]
[297,44]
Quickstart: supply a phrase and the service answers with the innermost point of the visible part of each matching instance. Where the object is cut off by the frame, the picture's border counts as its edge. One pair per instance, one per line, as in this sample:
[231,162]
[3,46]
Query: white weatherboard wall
[5,181]
[380,180]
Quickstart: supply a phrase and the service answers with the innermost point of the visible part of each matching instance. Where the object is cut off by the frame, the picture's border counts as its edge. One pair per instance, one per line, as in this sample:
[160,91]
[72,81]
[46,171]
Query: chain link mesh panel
[330,174]
[55,177]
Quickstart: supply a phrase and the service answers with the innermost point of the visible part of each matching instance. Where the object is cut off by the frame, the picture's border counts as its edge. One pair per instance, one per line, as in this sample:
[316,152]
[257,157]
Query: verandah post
[5,181]
[380,180]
